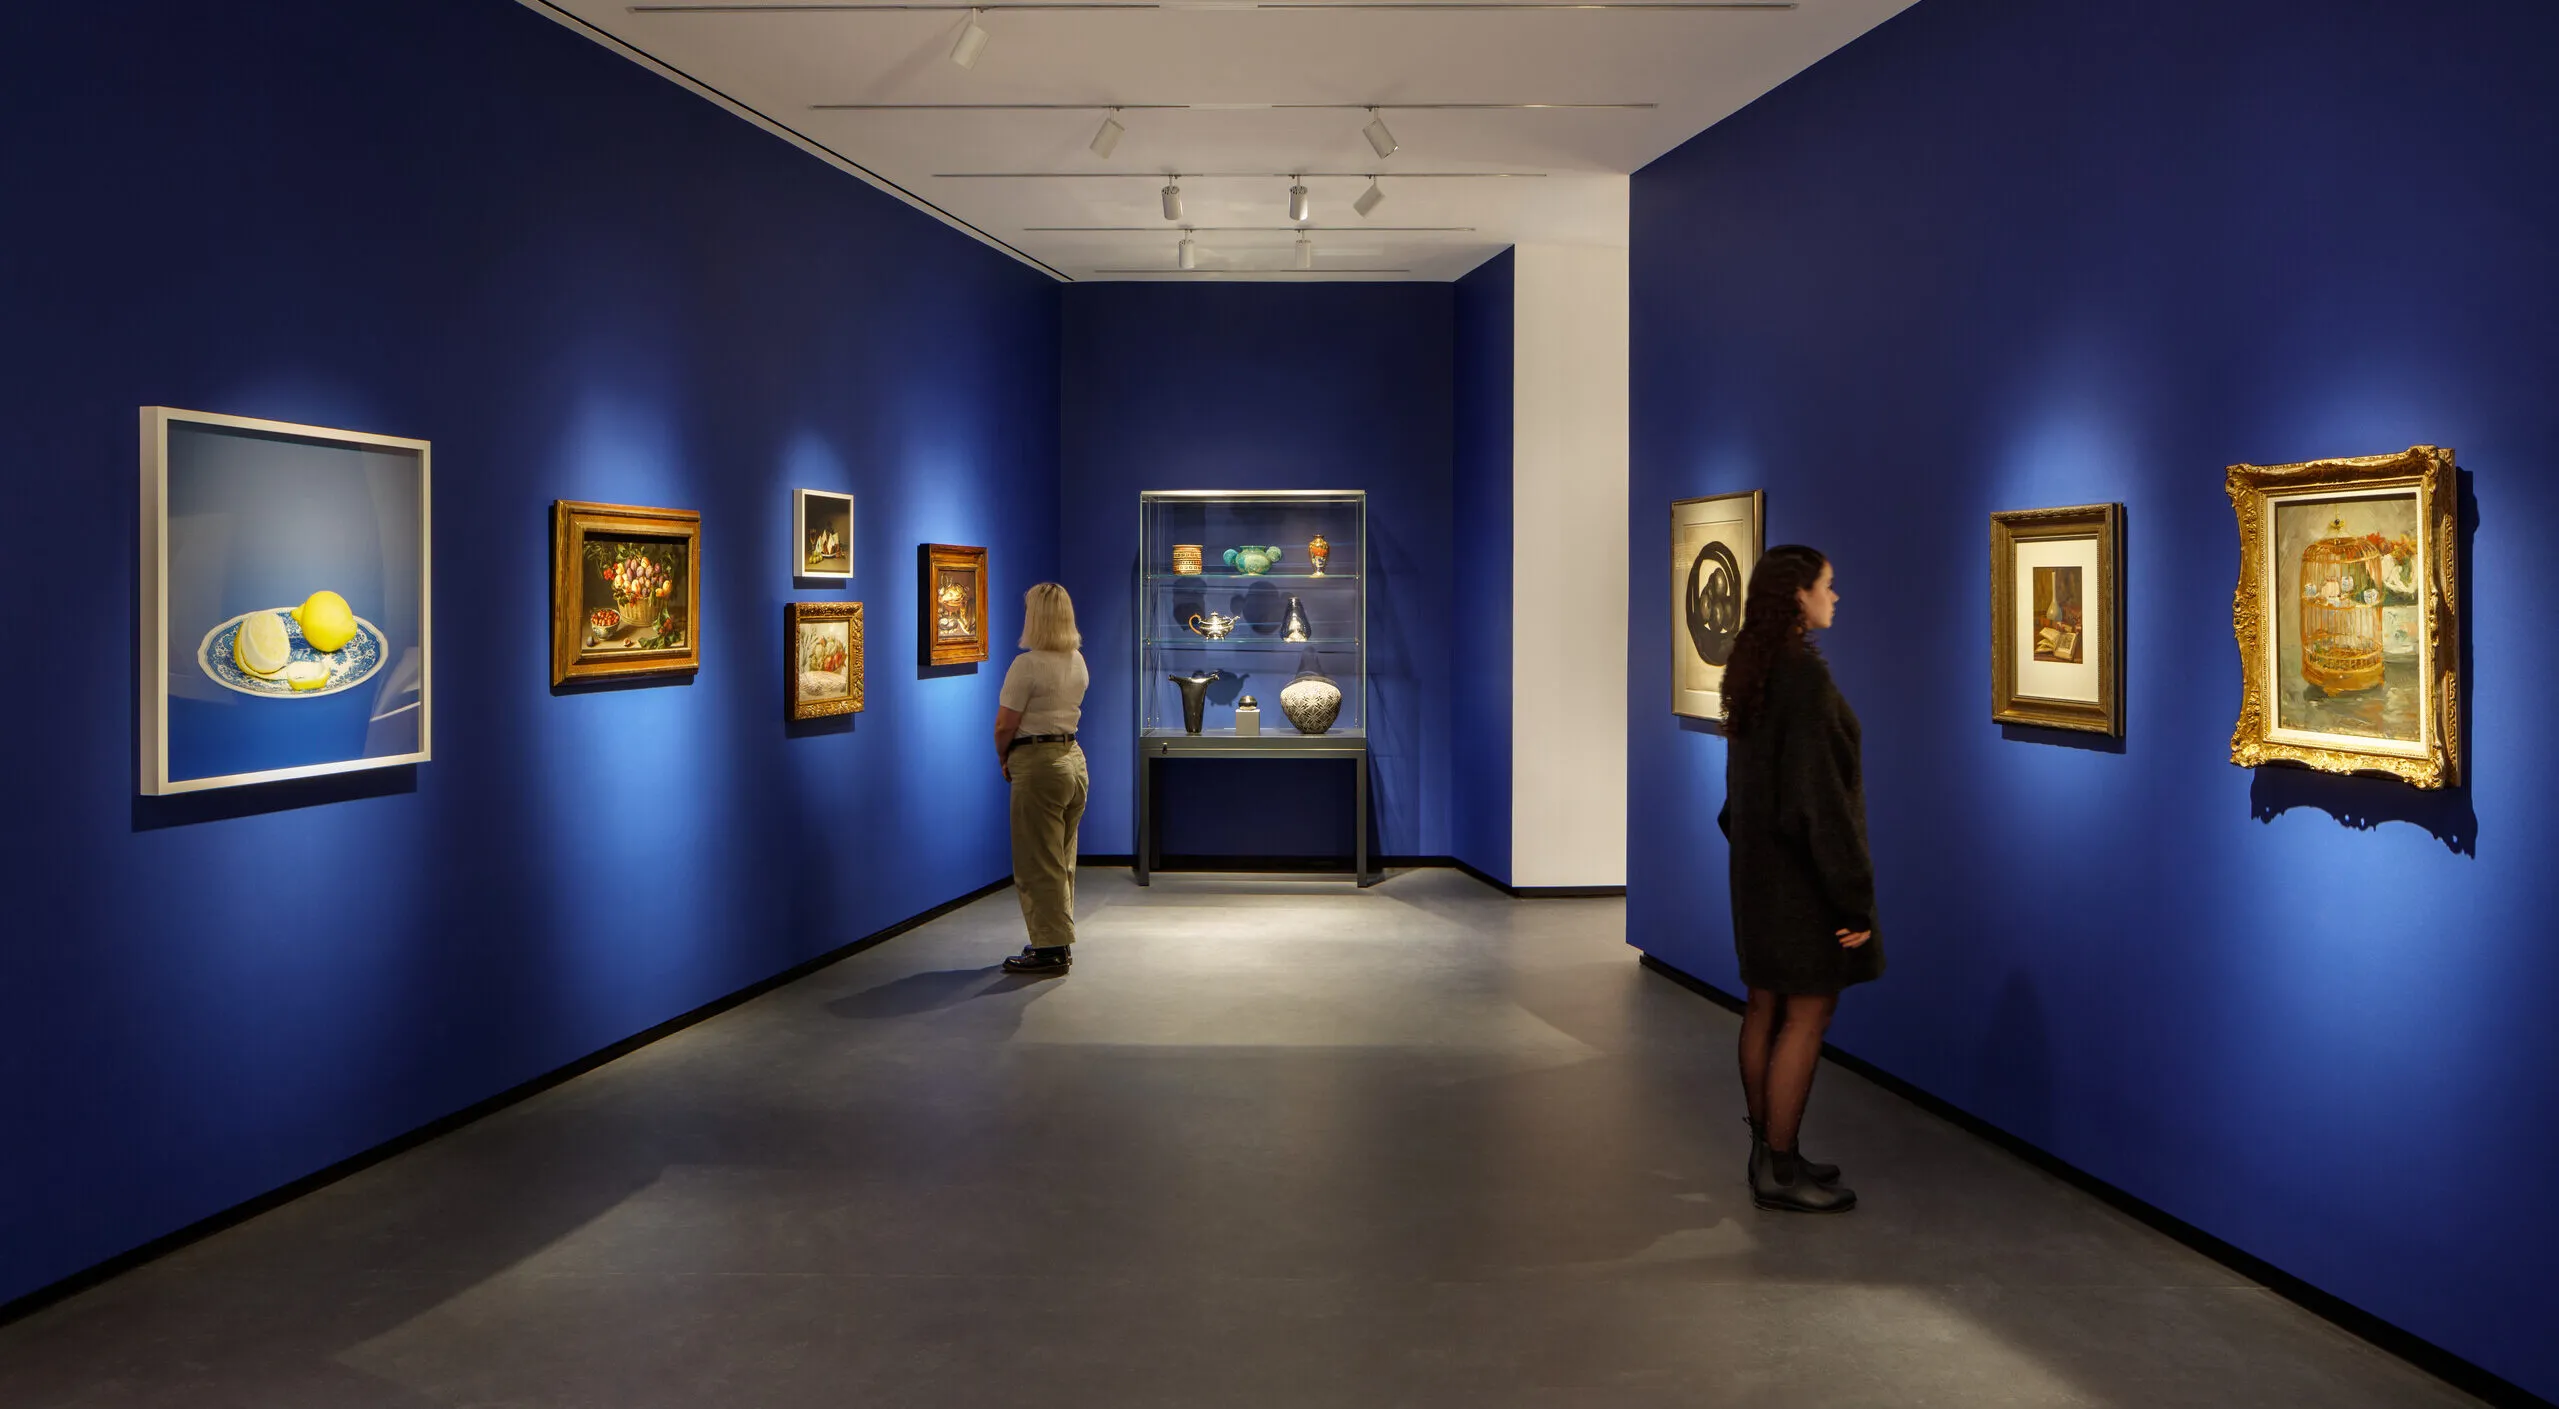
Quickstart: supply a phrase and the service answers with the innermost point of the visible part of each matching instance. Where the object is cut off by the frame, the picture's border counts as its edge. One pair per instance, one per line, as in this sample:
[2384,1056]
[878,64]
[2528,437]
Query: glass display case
[1252,634]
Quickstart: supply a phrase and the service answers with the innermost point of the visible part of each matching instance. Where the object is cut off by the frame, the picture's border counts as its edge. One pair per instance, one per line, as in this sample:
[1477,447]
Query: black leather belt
[1021,739]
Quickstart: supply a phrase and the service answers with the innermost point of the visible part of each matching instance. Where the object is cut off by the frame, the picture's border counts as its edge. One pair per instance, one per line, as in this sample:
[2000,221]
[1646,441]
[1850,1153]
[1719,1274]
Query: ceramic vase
[1311,702]
[1186,559]
[1321,553]
[1194,689]
[1252,561]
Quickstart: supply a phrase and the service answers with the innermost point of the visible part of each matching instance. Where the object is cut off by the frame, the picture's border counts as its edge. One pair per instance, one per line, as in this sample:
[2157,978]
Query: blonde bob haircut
[1048,620]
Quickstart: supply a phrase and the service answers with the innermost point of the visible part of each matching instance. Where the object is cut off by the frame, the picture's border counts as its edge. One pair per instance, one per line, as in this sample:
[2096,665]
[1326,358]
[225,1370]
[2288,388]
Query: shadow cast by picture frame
[614,685]
[2061,738]
[151,814]
[2364,803]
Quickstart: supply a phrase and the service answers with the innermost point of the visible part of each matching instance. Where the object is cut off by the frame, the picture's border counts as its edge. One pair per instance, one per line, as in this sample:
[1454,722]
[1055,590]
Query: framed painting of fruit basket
[822,656]
[626,591]
[2348,615]
[283,601]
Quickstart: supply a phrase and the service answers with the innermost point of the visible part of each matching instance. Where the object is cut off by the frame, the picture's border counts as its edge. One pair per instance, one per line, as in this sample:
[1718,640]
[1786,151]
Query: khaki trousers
[1049,787]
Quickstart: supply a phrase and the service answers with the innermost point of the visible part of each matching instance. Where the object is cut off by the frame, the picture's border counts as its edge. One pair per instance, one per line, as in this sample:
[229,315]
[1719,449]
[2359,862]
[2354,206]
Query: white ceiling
[1699,66]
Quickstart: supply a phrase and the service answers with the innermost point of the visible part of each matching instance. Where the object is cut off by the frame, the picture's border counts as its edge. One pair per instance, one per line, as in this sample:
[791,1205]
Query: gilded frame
[795,615]
[2426,472]
[2102,525]
[573,523]
[1703,512]
[960,649]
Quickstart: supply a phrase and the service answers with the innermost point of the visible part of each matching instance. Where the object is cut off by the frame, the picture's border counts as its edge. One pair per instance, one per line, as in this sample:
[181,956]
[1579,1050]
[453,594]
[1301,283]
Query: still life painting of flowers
[2346,616]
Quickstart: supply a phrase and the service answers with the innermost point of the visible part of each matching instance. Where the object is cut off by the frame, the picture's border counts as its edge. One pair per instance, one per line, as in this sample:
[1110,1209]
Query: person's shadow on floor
[929,992]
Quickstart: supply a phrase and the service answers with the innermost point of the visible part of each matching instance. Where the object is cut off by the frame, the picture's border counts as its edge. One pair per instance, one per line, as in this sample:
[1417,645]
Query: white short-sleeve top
[1048,688]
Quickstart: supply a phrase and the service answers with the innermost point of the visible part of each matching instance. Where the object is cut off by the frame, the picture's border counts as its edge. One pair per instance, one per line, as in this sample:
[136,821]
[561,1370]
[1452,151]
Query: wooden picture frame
[1715,544]
[626,591]
[952,603]
[2057,618]
[822,658]
[2348,615]
[821,535]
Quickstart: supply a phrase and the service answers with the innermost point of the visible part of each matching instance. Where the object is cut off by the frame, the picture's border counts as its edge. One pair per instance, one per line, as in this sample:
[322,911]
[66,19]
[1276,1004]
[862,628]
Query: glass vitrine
[1266,593]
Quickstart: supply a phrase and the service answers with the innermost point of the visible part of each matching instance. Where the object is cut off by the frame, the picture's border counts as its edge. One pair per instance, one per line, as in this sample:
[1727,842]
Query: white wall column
[1569,566]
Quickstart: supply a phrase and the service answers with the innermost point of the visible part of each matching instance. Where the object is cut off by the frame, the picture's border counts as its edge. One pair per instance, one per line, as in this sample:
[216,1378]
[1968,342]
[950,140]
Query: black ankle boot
[1819,1172]
[1053,959]
[1786,1186]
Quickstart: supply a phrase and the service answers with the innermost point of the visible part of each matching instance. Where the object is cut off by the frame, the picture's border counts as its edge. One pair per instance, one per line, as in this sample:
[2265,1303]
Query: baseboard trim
[1342,865]
[2452,1369]
[26,1305]
[1537,892]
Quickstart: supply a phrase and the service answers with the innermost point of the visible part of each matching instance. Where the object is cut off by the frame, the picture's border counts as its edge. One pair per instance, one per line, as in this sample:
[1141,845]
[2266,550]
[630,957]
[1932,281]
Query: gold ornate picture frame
[2057,618]
[2348,615]
[626,591]
[954,604]
[822,658]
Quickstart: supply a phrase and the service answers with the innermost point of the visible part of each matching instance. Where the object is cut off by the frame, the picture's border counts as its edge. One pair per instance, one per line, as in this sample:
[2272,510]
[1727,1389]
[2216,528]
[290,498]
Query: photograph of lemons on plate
[303,652]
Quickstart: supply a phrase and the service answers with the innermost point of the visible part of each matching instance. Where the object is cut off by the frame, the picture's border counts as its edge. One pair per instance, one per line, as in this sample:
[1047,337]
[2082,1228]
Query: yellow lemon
[306,675]
[261,647]
[327,621]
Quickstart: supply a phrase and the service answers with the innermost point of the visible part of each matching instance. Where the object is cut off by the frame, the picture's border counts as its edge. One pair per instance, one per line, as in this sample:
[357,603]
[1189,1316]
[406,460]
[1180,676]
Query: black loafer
[1040,961]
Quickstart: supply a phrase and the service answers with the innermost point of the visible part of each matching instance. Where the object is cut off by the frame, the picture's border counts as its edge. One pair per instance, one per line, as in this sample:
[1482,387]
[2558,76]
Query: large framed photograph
[2057,617]
[822,527]
[626,591]
[2347,615]
[284,601]
[954,598]
[822,650]
[1715,543]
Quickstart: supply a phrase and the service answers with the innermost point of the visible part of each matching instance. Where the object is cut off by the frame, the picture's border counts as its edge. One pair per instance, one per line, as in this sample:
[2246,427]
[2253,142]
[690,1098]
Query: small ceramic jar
[1186,559]
[1248,718]
[1321,552]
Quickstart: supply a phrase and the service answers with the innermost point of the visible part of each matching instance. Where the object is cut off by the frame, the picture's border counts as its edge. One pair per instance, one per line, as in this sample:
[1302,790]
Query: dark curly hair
[1772,627]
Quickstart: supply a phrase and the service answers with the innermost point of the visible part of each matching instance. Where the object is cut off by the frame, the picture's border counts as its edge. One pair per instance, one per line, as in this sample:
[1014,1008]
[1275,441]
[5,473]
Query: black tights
[1781,1048]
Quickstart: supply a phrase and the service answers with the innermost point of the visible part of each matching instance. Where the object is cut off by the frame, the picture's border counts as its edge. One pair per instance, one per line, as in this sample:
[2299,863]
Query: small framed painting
[822,527]
[1714,544]
[822,646]
[2347,615]
[626,591]
[283,601]
[2056,618]
[954,604]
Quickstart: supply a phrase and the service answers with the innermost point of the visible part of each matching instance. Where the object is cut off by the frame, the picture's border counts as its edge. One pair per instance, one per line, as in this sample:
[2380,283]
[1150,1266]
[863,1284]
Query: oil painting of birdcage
[2347,614]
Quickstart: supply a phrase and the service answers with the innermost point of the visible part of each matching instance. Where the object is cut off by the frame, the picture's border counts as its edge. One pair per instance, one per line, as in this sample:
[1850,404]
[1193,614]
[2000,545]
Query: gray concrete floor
[1273,1142]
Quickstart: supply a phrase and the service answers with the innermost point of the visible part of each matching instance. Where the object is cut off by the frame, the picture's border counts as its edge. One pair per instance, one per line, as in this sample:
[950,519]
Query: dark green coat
[1795,812]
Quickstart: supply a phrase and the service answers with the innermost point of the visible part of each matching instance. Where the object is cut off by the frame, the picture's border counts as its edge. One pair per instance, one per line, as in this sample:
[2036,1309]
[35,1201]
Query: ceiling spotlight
[1377,135]
[1369,199]
[1305,253]
[1172,201]
[1106,138]
[1183,256]
[1299,208]
[972,42]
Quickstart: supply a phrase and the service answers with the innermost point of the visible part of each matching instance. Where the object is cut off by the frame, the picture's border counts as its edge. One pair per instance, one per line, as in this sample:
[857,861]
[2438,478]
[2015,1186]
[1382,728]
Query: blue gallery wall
[459,221]
[1480,638]
[1265,386]
[2004,254]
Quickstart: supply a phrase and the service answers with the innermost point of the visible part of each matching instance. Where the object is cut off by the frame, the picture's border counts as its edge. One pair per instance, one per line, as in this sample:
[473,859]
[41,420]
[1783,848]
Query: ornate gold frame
[2105,524]
[794,615]
[935,559]
[2254,490]
[572,523]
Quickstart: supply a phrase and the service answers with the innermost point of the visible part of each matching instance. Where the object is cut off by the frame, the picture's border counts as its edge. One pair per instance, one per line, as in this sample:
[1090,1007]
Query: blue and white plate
[349,665]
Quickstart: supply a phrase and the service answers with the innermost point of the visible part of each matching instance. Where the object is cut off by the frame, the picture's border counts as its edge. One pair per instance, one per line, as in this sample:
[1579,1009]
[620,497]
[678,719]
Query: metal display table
[1151,747]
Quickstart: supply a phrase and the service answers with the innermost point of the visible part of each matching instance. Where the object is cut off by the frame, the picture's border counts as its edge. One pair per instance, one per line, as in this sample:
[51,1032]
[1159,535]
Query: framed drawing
[822,527]
[626,591]
[822,650]
[2347,615]
[284,601]
[954,604]
[2057,618]
[1714,544]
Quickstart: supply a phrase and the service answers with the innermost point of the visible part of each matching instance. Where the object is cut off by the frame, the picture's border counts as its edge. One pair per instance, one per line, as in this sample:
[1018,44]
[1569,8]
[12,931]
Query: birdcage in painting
[2341,589]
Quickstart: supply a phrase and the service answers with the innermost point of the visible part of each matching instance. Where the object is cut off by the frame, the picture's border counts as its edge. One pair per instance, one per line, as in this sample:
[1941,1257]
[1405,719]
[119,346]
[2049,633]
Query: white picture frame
[821,510]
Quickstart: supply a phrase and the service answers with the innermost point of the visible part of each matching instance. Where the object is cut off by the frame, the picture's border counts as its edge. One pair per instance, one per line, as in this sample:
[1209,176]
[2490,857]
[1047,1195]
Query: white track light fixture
[971,43]
[1106,138]
[1173,199]
[1183,255]
[1299,208]
[1305,252]
[1377,135]
[1369,199]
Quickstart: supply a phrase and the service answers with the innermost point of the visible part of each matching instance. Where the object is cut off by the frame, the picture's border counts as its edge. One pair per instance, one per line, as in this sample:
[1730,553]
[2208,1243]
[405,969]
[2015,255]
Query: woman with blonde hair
[1035,719]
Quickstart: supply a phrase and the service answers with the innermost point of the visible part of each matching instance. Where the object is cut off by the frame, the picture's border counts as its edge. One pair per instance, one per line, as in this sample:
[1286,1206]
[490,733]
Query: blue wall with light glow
[1267,386]
[2005,254]
[465,223]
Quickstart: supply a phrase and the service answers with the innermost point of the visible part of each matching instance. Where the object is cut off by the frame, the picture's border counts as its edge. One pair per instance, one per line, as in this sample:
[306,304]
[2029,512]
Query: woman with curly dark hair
[1803,885]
